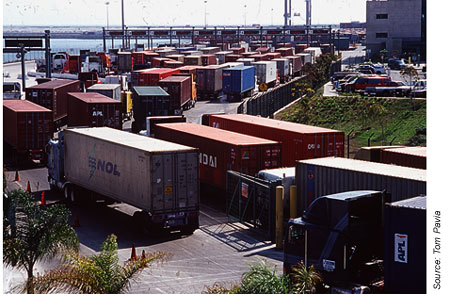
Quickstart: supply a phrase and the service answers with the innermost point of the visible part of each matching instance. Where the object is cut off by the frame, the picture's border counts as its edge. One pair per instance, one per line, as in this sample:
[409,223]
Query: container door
[186,186]
[162,182]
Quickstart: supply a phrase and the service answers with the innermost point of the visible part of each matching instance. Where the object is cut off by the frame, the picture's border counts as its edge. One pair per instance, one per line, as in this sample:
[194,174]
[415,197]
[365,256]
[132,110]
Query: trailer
[266,72]
[209,81]
[27,127]
[158,178]
[283,66]
[238,82]
[180,91]
[109,90]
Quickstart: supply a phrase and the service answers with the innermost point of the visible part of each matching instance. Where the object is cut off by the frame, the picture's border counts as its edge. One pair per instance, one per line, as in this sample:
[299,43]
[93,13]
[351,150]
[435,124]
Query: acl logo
[208,160]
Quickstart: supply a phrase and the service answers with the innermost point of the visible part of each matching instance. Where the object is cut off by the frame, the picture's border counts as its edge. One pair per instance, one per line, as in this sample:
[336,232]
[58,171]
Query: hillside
[401,121]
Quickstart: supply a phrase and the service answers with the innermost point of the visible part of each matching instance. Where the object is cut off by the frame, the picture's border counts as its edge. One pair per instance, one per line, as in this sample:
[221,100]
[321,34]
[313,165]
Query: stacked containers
[53,95]
[158,61]
[246,61]
[180,91]
[266,71]
[177,57]
[232,57]
[149,101]
[27,126]
[152,77]
[94,110]
[260,57]
[192,53]
[125,62]
[282,68]
[415,157]
[221,56]
[190,69]
[298,141]
[238,80]
[210,50]
[273,55]
[285,51]
[172,64]
[237,51]
[305,57]
[222,150]
[193,60]
[299,48]
[263,50]
[110,90]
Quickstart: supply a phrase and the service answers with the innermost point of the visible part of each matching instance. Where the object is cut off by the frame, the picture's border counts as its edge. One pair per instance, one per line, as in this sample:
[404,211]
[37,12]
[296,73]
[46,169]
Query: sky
[176,12]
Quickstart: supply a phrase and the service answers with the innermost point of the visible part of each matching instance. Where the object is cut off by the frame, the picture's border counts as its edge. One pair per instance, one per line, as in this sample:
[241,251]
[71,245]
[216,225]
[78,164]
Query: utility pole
[287,13]
[205,12]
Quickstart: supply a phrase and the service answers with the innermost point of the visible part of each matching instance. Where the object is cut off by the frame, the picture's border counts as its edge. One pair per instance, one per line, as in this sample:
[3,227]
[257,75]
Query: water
[73,46]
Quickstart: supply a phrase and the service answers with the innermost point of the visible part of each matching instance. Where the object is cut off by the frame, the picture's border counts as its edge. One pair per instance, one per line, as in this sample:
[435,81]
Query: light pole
[205,11]
[123,27]
[107,15]
[245,16]
[271,15]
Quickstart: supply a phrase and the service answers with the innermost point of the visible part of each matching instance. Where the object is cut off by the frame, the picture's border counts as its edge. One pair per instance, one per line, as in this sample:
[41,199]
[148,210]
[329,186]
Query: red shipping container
[208,59]
[180,90]
[296,62]
[157,61]
[298,141]
[248,54]
[74,63]
[299,48]
[273,55]
[152,77]
[172,64]
[238,51]
[415,157]
[221,150]
[94,110]
[191,69]
[232,57]
[285,51]
[260,57]
[27,127]
[138,57]
[149,55]
[193,60]
[283,45]
[53,95]
[263,50]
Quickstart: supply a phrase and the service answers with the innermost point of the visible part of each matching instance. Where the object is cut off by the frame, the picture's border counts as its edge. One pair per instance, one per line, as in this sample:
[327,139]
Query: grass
[384,120]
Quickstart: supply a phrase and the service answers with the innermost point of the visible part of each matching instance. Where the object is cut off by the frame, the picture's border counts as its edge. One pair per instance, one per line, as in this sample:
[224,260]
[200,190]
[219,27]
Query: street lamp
[245,16]
[271,15]
[123,28]
[107,15]
[205,12]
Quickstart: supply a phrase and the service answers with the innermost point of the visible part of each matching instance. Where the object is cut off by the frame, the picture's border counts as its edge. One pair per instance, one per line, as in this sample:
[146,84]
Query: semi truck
[160,179]
[357,241]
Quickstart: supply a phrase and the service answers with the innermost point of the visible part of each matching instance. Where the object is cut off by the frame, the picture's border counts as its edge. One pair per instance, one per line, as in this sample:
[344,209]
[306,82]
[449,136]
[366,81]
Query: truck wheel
[189,230]
[142,222]
[67,192]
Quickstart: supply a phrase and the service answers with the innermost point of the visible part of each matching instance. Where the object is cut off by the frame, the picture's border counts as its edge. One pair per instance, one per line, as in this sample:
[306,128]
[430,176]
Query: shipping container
[283,45]
[149,101]
[263,50]
[210,50]
[172,64]
[323,176]
[74,64]
[110,90]
[193,60]
[415,157]
[209,81]
[299,48]
[232,64]
[405,246]
[149,55]
[151,121]
[296,64]
[136,74]
[246,61]
[177,57]
[180,91]
[315,52]
[238,82]
[283,66]
[159,177]
[138,57]
[27,127]
[260,57]
[287,177]
[184,49]
[273,55]
[306,57]
[372,153]
[125,62]
[285,51]
[165,52]
[221,56]
[93,110]
[265,71]
[192,53]
[248,54]
[237,51]
[208,59]
[298,141]
[158,61]
[190,69]
[221,150]
[232,57]
[53,95]
[152,77]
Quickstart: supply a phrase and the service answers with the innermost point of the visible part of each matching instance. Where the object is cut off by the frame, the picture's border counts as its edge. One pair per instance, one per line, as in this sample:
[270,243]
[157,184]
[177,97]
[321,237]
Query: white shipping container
[153,175]
[265,71]
[221,56]
[316,51]
[282,66]
[110,90]
[306,57]
[246,61]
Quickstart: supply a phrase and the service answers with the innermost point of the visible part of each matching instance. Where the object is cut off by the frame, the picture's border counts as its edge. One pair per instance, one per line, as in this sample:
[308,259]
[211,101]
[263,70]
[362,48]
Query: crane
[287,12]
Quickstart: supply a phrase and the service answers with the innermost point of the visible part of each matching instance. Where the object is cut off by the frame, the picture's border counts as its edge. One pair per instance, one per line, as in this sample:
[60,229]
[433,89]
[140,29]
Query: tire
[67,192]
[142,222]
[188,230]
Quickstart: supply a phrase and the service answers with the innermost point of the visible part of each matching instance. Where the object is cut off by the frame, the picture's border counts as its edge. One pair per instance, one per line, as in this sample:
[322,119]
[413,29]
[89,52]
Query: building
[399,26]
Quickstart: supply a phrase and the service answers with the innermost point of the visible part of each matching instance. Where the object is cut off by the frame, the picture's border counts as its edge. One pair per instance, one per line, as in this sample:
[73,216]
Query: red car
[363,82]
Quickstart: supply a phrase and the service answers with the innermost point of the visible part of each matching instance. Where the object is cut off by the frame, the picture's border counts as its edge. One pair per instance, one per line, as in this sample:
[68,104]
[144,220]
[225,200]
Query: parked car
[415,89]
[362,82]
[396,64]
[392,88]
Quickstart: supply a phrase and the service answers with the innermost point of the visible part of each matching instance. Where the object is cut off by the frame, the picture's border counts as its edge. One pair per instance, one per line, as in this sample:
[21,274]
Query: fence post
[293,201]
[279,217]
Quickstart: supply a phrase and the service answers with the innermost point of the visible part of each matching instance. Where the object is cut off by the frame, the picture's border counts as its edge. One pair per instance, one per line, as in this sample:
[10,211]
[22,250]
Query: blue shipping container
[237,80]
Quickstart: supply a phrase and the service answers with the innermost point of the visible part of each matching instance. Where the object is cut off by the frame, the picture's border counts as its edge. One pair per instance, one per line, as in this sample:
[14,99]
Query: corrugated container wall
[265,71]
[149,101]
[222,150]
[53,95]
[221,56]
[208,59]
[296,64]
[193,60]
[152,77]
[125,61]
[238,79]
[209,79]
[324,176]
[26,125]
[150,174]
[408,156]
[282,66]
[405,246]
[298,141]
[94,110]
[110,90]
[180,91]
